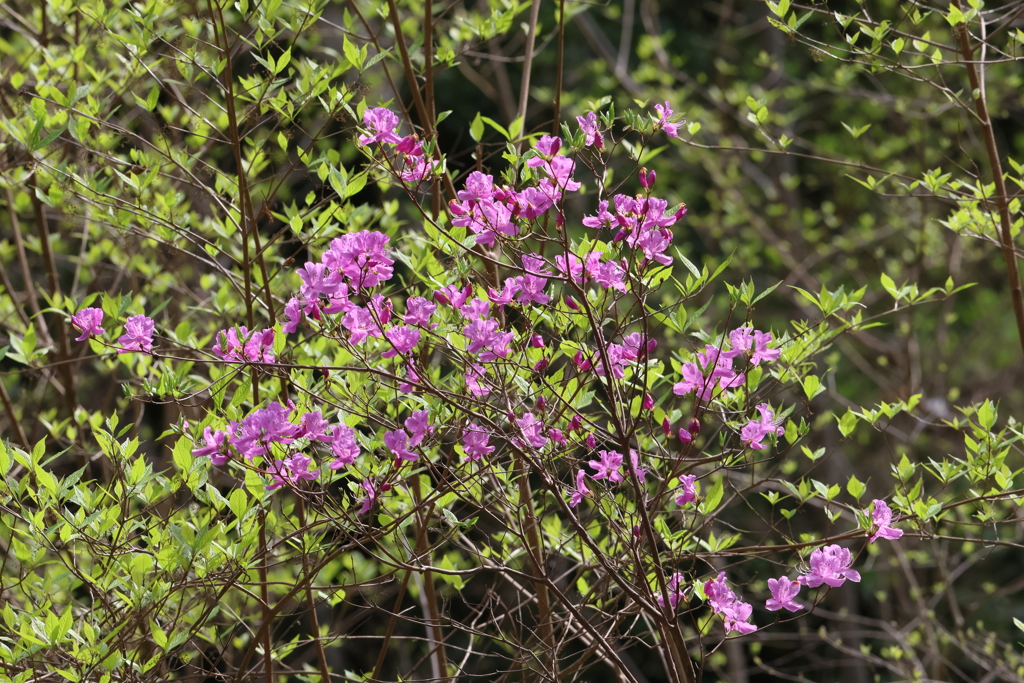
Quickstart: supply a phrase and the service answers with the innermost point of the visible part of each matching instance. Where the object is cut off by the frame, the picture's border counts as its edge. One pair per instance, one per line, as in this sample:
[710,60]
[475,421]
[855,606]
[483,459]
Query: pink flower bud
[643,177]
[456,208]
[384,488]
[575,423]
[651,345]
[541,403]
[556,435]
[560,220]
[619,236]
[540,365]
[648,402]
[680,212]
[685,436]
[637,532]
[590,441]
[666,426]
[537,341]
[571,303]
[441,298]
[694,426]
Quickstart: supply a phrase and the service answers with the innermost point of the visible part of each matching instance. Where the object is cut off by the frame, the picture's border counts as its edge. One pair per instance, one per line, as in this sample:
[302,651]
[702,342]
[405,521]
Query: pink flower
[634,465]
[239,345]
[830,565]
[291,470]
[603,219]
[397,442]
[410,145]
[419,311]
[87,321]
[314,427]
[589,127]
[403,339]
[381,123]
[581,489]
[361,257]
[664,112]
[608,466]
[344,447]
[761,350]
[371,496]
[676,591]
[473,376]
[531,428]
[217,448]
[757,430]
[475,442]
[418,425]
[687,491]
[138,334]
[262,427]
[292,316]
[479,186]
[783,591]
[694,380]
[882,517]
[725,602]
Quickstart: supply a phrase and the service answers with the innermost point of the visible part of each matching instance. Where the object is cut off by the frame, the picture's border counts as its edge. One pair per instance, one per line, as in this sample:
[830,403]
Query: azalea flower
[87,321]
[830,565]
[882,517]
[783,591]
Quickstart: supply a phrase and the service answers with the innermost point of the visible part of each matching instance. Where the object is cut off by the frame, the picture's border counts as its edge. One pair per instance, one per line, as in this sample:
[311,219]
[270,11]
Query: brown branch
[1002,202]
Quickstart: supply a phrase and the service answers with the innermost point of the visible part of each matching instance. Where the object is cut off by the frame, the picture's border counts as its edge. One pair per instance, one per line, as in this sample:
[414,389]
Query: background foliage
[835,150]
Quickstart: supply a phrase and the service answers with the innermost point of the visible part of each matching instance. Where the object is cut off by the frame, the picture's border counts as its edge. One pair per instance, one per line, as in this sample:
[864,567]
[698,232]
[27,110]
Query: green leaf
[283,60]
[476,129]
[50,137]
[713,497]
[848,423]
[238,501]
[855,487]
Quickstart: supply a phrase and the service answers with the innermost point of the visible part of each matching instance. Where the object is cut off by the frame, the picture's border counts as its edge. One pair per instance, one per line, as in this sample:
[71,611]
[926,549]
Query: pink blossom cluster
[714,365]
[643,222]
[401,441]
[725,602]
[239,345]
[257,434]
[634,347]
[353,263]
[414,167]
[138,330]
[491,212]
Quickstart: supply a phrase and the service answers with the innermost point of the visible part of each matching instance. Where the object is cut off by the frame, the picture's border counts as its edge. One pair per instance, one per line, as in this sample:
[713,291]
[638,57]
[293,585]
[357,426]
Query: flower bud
[571,303]
[680,212]
[694,426]
[575,423]
[384,488]
[637,532]
[537,341]
[648,402]
[456,209]
[556,435]
[560,220]
[540,365]
[620,235]
[666,426]
[685,436]
[590,441]
[541,403]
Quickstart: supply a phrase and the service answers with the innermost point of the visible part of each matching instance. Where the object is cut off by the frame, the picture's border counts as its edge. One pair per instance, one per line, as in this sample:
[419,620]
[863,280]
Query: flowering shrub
[489,415]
